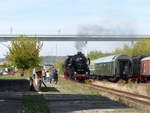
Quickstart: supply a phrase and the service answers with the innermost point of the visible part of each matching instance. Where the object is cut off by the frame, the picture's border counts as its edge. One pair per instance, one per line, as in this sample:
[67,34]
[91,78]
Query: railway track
[134,100]
[140,102]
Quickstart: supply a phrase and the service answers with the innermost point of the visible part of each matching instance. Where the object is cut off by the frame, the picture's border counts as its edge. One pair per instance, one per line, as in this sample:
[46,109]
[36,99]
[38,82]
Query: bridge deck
[80,37]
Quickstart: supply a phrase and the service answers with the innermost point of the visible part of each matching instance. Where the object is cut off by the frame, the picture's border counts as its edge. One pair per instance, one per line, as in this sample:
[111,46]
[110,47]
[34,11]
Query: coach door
[124,68]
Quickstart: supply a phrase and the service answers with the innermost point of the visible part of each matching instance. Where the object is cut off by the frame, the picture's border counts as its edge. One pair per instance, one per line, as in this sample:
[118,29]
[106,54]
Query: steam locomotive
[76,67]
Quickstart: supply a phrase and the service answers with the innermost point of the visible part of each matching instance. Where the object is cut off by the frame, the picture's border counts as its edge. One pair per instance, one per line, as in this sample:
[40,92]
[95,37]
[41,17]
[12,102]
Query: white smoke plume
[102,30]
[80,45]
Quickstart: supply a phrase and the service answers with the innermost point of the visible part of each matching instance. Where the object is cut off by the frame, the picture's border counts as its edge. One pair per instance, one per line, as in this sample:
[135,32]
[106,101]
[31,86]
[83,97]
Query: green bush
[60,67]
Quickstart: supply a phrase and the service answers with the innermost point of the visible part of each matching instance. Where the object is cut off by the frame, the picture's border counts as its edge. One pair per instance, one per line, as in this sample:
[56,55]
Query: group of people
[50,76]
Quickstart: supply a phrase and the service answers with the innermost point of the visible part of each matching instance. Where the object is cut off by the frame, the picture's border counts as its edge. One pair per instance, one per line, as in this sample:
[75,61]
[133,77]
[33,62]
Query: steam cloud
[102,30]
[80,45]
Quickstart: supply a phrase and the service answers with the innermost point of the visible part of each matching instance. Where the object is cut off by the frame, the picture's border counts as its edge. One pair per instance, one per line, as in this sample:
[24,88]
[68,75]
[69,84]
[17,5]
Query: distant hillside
[52,59]
[2,59]
[46,59]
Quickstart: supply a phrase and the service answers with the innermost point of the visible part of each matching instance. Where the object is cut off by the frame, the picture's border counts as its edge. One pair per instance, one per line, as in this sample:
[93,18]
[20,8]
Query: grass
[67,87]
[88,81]
[35,104]
[12,77]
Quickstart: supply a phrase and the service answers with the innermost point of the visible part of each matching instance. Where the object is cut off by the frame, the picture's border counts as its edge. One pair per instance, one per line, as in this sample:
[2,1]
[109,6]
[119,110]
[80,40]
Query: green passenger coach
[112,67]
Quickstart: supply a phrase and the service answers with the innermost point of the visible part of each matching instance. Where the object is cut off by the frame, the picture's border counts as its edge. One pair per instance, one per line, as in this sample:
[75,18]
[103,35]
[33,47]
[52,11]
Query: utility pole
[86,51]
[56,54]
[59,31]
[132,42]
[11,30]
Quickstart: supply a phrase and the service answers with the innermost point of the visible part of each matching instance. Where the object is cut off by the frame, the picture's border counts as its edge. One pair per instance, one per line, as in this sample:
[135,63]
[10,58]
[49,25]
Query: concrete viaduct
[131,38]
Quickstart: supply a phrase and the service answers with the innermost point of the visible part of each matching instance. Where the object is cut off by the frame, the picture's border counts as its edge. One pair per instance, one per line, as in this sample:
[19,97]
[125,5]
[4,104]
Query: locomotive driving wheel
[37,84]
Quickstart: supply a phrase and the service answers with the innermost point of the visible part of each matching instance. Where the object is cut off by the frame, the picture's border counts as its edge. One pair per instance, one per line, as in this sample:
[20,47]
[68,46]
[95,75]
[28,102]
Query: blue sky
[48,16]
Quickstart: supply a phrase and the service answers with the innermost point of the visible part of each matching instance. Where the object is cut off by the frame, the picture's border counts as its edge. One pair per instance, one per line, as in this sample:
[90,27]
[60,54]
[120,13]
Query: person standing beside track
[54,76]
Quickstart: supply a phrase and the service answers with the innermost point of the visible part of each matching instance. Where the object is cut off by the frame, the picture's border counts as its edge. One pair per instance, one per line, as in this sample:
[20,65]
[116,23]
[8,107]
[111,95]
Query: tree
[24,52]
[97,54]
[60,67]
[125,50]
[142,48]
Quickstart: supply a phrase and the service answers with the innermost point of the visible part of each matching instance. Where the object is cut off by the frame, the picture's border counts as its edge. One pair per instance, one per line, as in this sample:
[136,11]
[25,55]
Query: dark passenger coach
[113,67]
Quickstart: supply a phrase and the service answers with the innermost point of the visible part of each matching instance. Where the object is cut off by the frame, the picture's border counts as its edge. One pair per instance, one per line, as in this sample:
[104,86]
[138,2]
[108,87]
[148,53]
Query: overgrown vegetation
[35,104]
[140,48]
[12,77]
[52,59]
[97,54]
[24,52]
[128,50]
[60,67]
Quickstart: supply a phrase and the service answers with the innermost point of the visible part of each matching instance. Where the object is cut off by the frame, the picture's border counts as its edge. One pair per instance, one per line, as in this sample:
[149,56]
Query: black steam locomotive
[76,67]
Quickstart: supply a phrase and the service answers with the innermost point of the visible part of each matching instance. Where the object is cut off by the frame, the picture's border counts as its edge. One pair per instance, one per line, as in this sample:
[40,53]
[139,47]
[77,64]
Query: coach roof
[109,58]
[146,58]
